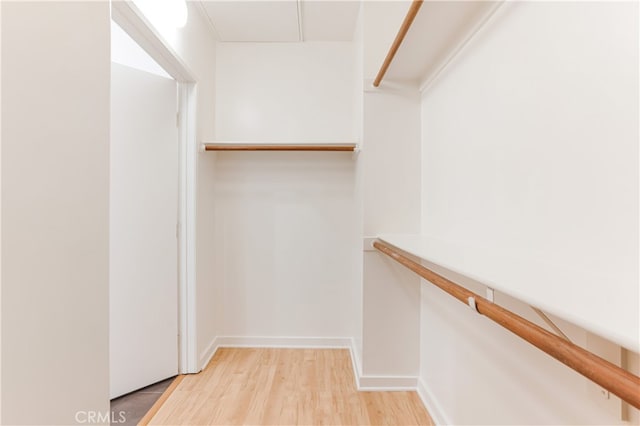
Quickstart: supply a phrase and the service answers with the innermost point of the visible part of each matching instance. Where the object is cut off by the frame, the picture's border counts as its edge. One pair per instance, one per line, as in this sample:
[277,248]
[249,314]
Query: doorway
[144,204]
[167,63]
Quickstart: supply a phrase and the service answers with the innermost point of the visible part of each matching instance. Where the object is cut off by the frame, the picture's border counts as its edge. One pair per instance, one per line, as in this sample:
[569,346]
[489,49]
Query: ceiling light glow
[165,15]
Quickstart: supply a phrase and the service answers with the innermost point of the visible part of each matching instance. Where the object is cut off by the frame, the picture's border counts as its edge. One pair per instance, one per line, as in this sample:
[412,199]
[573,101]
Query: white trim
[355,362]
[387,383]
[428,81]
[300,30]
[208,353]
[431,404]
[187,224]
[378,383]
[284,342]
[1,244]
[205,15]
[397,87]
[133,22]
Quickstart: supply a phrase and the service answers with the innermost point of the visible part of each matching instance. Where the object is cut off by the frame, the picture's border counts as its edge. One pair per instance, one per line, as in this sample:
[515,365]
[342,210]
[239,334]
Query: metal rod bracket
[490,294]
[550,323]
[471,301]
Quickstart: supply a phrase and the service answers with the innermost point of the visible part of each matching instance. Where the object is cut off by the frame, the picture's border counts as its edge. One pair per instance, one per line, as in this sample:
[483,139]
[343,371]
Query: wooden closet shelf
[242,146]
[611,377]
[567,292]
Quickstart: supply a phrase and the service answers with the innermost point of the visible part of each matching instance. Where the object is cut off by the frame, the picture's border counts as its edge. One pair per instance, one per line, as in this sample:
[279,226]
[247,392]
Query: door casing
[133,22]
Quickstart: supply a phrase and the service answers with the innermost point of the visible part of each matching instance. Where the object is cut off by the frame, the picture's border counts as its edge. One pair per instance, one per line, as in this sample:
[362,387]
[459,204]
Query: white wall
[125,51]
[285,92]
[391,192]
[287,225]
[391,162]
[358,124]
[196,45]
[55,187]
[530,144]
[286,239]
[391,198]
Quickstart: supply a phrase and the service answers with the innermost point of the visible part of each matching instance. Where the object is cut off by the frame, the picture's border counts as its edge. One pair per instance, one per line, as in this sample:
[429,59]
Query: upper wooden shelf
[431,35]
[248,146]
[575,294]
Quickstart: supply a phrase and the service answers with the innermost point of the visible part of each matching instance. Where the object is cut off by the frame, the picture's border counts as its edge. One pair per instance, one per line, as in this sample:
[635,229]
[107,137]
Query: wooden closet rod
[402,32]
[609,376]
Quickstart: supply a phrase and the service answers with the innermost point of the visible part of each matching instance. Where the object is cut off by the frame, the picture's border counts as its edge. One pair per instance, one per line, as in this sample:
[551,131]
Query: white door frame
[134,23]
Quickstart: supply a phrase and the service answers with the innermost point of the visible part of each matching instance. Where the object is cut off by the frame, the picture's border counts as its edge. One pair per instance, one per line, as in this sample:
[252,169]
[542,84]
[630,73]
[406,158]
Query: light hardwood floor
[284,387]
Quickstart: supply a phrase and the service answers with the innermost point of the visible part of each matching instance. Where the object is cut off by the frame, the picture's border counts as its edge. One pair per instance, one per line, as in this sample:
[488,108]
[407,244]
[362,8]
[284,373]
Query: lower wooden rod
[611,377]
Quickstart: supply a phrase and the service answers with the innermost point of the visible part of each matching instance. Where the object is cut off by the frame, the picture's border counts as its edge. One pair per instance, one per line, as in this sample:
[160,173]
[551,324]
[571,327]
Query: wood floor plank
[160,401]
[264,386]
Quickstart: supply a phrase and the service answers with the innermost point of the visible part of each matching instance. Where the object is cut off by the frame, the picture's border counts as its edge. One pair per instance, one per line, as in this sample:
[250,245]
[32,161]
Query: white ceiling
[283,20]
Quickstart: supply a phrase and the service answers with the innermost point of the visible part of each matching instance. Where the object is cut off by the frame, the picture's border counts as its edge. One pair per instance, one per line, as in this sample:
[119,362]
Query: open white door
[143,241]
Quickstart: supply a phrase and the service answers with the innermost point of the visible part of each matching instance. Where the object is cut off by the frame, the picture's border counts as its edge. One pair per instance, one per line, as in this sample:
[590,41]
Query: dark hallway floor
[129,409]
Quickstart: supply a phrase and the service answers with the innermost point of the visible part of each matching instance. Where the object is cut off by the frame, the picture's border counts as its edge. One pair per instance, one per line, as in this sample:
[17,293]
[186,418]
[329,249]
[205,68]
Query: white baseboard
[355,362]
[283,342]
[270,342]
[431,404]
[207,354]
[378,383]
[387,383]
